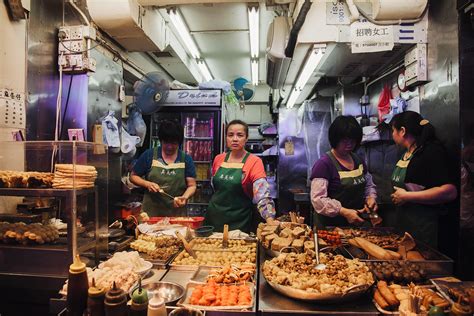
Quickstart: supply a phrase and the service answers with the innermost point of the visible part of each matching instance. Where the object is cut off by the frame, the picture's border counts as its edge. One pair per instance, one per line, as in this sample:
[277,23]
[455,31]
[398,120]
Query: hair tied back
[424,122]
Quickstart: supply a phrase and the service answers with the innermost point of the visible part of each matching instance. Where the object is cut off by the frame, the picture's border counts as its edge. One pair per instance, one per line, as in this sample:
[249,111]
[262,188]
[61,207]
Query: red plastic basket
[191,222]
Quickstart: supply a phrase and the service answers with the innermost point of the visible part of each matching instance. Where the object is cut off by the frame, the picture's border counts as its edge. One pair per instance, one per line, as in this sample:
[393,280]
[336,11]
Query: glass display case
[53,205]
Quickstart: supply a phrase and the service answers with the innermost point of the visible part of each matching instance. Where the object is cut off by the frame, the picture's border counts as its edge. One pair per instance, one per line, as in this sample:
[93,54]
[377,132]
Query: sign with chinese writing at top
[193,98]
[367,37]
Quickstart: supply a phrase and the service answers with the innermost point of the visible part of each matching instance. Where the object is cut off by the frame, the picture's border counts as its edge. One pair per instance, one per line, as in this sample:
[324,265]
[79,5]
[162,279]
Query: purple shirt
[324,168]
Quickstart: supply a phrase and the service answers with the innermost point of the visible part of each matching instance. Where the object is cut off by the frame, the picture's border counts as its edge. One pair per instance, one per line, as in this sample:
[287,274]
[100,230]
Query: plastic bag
[111,135]
[136,125]
[384,102]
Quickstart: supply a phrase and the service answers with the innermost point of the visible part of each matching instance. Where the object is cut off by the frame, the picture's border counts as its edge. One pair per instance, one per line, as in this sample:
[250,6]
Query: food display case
[53,206]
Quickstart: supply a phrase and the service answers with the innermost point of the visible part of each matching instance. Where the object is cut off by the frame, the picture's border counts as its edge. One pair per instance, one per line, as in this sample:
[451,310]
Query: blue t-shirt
[143,164]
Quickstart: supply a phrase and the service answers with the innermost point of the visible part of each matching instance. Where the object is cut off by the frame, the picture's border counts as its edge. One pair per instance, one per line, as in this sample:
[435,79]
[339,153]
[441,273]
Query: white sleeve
[323,204]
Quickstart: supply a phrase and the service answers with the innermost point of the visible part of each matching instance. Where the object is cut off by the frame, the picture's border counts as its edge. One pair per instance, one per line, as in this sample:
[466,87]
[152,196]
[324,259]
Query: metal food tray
[202,272]
[183,301]
[442,285]
[438,264]
[246,240]
[175,266]
[160,263]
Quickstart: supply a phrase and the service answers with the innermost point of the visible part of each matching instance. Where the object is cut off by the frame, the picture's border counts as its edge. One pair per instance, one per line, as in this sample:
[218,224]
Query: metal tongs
[187,246]
[319,266]
[164,193]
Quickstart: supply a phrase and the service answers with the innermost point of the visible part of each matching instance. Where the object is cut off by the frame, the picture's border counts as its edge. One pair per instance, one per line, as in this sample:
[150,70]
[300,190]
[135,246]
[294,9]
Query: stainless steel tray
[438,264]
[190,287]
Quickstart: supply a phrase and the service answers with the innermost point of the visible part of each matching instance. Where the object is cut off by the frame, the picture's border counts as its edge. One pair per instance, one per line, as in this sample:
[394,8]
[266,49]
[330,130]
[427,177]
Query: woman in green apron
[342,190]
[421,178]
[239,182]
[166,172]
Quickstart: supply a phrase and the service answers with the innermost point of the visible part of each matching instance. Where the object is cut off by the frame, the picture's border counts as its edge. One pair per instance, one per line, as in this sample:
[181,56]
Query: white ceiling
[222,35]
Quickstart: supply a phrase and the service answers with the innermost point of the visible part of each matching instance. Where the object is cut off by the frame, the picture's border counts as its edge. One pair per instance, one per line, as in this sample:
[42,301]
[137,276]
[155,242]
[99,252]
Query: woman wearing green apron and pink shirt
[166,169]
[342,190]
[239,182]
[421,178]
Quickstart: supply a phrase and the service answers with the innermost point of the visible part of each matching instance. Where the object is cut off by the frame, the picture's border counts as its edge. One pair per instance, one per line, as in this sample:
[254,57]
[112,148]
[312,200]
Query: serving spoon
[318,266]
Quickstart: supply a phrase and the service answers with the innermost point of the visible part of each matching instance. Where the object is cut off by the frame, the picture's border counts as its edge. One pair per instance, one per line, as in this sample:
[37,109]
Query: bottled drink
[193,127]
[188,126]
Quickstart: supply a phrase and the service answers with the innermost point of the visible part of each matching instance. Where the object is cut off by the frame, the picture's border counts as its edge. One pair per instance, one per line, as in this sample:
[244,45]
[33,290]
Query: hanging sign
[289,147]
[193,98]
[367,37]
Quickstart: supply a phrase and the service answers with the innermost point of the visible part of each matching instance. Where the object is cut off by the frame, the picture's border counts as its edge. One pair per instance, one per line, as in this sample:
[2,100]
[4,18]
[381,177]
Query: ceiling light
[183,31]
[312,62]
[254,30]
[204,70]
[254,68]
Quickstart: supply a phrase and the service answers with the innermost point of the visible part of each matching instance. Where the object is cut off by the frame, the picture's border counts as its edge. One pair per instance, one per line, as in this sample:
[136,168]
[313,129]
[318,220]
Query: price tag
[289,147]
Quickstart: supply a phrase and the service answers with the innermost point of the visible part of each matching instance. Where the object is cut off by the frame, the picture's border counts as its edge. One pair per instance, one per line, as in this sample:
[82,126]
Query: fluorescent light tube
[254,31]
[310,66]
[204,70]
[183,31]
[254,69]
[295,93]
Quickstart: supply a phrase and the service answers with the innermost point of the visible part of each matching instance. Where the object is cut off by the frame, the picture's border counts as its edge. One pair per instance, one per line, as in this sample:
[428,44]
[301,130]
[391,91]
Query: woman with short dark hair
[421,178]
[341,187]
[166,169]
[239,182]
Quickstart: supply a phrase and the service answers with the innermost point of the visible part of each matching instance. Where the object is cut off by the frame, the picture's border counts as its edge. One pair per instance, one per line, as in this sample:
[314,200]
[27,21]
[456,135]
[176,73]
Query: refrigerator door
[201,141]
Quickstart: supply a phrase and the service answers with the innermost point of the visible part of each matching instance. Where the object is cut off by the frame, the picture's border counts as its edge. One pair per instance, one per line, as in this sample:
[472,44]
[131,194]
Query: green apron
[229,204]
[173,181]
[417,219]
[351,194]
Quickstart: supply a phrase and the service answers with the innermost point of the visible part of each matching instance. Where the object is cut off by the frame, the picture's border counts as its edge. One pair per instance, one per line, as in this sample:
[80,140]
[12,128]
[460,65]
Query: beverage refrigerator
[200,114]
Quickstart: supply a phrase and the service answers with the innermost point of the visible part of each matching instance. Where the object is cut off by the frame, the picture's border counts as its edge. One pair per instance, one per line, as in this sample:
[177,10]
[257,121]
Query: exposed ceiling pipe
[290,47]
[388,22]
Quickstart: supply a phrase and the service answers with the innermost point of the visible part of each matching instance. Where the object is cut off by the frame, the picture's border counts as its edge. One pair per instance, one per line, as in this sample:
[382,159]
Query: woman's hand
[352,216]
[371,204]
[152,187]
[400,196]
[179,201]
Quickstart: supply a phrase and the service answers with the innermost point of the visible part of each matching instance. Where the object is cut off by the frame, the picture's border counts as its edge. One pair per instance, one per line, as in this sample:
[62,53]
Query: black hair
[345,127]
[416,126]
[238,122]
[170,132]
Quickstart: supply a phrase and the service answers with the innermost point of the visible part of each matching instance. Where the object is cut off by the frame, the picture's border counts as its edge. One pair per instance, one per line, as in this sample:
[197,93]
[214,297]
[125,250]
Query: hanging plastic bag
[384,102]
[129,143]
[111,135]
[136,125]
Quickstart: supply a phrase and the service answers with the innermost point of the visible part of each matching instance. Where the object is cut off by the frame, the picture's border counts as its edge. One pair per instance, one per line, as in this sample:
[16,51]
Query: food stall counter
[270,302]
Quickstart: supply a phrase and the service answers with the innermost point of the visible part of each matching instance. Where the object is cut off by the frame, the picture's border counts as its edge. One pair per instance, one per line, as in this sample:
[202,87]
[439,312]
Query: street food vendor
[341,187]
[421,178]
[239,182]
[167,173]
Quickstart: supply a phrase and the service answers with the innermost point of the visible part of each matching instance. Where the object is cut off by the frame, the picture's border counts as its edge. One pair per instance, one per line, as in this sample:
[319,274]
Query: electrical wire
[79,52]
[58,110]
[66,106]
